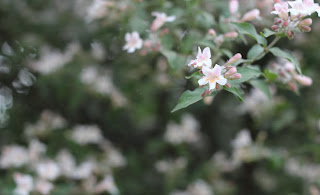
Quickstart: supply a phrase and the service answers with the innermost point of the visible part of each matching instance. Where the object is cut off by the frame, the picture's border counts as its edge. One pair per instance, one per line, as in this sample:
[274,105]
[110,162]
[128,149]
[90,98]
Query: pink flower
[281,9]
[161,18]
[212,76]
[305,7]
[303,80]
[251,15]
[133,42]
[233,6]
[203,59]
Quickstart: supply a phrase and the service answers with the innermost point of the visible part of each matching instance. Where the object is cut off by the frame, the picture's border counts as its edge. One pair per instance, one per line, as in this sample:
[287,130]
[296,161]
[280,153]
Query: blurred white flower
[36,149]
[187,132]
[24,184]
[52,60]
[242,139]
[84,170]
[133,42]
[305,170]
[66,163]
[48,170]
[107,185]
[13,156]
[160,19]
[198,187]
[97,9]
[48,121]
[43,187]
[170,166]
[97,50]
[86,134]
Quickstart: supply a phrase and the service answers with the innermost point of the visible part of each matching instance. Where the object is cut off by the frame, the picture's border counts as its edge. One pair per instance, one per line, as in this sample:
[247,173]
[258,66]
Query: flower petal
[222,80]
[203,81]
[217,70]
[207,52]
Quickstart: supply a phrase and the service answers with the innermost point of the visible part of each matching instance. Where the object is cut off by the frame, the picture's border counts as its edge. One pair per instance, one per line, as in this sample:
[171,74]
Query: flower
[305,7]
[281,9]
[203,59]
[49,170]
[212,76]
[107,185]
[133,42]
[24,184]
[251,15]
[233,6]
[86,134]
[9,156]
[161,18]
[43,187]
[242,139]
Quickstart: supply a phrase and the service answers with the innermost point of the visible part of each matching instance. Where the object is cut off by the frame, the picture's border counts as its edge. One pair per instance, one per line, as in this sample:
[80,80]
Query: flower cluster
[218,75]
[287,75]
[248,16]
[293,19]
[94,173]
[134,42]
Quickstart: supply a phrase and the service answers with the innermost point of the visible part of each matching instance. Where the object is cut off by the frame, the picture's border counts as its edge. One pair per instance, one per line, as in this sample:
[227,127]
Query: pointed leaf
[249,29]
[255,51]
[188,98]
[235,92]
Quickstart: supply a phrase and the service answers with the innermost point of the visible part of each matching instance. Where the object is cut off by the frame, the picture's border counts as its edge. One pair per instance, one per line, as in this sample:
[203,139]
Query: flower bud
[277,1]
[233,6]
[205,93]
[306,22]
[290,34]
[235,58]
[231,71]
[293,86]
[228,85]
[289,67]
[231,35]
[212,33]
[305,28]
[235,76]
[208,100]
[251,15]
[303,80]
[274,27]
[285,23]
[220,40]
[217,86]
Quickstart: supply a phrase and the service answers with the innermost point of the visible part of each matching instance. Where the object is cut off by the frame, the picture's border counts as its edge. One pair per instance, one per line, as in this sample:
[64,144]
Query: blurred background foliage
[136,116]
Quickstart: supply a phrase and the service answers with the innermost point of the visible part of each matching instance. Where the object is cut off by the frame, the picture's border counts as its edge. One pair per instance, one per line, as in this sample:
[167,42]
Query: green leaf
[227,52]
[188,98]
[205,19]
[254,51]
[249,29]
[235,92]
[261,85]
[175,60]
[267,33]
[206,43]
[270,75]
[246,74]
[195,74]
[280,53]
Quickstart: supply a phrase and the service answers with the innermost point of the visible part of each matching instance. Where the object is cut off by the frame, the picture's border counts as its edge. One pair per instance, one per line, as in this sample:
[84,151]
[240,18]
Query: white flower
[36,149]
[202,59]
[305,7]
[13,156]
[98,9]
[48,170]
[84,170]
[161,18]
[24,184]
[281,9]
[86,134]
[51,60]
[200,187]
[133,42]
[187,132]
[107,185]
[212,76]
[169,166]
[43,187]
[66,163]
[242,139]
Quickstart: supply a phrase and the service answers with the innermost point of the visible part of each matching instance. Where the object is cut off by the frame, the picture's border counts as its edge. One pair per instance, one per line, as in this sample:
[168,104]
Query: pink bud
[305,28]
[217,86]
[148,44]
[220,40]
[235,76]
[251,15]
[289,34]
[235,58]
[206,92]
[212,33]
[289,67]
[306,22]
[277,1]
[228,85]
[293,86]
[233,6]
[231,35]
[274,27]
[303,80]
[285,23]
[231,71]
